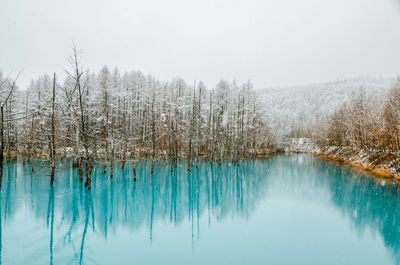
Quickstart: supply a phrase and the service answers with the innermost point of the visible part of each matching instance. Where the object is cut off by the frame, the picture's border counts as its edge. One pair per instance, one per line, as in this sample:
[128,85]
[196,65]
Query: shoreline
[380,165]
[118,159]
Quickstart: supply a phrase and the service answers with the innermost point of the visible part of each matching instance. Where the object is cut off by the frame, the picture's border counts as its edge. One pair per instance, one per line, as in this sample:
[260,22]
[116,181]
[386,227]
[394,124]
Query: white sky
[271,42]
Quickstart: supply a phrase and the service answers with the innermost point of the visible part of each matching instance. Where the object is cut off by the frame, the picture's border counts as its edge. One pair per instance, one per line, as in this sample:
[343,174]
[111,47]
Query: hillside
[302,106]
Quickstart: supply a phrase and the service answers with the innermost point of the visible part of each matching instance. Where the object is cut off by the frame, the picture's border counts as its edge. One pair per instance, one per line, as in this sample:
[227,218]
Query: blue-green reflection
[285,210]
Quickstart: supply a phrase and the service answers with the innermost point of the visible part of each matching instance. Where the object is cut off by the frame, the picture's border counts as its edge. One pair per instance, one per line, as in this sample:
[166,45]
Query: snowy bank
[382,164]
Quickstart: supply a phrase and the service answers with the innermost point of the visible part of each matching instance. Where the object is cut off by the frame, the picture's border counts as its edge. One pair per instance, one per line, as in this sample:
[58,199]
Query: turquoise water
[286,210]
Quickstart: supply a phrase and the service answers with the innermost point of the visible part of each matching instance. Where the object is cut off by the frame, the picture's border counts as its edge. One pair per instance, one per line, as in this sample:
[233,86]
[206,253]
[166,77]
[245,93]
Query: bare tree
[7,89]
[52,144]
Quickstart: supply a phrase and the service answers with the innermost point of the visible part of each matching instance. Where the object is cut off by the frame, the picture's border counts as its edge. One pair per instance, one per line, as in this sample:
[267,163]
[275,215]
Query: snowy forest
[116,118]
[119,117]
[364,133]
[369,123]
[295,111]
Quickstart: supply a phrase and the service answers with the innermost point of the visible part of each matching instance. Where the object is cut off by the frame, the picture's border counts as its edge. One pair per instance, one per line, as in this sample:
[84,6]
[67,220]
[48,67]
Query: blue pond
[293,209]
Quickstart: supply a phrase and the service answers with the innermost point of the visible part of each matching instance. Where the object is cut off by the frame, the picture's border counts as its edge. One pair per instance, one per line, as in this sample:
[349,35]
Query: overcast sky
[271,42]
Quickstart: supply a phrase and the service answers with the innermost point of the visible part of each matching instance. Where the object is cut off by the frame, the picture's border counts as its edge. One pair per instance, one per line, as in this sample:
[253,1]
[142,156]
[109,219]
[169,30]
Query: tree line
[109,116]
[368,122]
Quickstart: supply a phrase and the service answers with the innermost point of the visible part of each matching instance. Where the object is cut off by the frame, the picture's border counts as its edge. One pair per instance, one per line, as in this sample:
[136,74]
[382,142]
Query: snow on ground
[383,164]
[299,145]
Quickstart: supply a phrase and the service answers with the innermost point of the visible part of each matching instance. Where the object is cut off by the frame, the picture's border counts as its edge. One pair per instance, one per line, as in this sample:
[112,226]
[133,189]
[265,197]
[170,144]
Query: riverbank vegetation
[111,115]
[365,133]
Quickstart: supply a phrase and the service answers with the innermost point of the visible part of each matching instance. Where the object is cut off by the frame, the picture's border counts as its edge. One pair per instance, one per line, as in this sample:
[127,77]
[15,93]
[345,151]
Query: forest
[114,118]
[109,117]
[368,123]
[366,129]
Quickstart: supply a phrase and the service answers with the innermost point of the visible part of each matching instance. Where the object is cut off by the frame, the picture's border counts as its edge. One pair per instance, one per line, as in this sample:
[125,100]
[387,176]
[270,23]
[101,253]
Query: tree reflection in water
[366,201]
[120,202]
[209,193]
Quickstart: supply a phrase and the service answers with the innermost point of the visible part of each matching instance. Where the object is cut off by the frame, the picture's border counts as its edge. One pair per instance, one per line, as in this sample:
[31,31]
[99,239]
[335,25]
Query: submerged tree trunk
[88,172]
[112,162]
[134,170]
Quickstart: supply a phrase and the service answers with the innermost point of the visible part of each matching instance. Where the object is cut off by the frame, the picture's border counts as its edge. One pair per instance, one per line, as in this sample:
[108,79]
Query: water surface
[286,210]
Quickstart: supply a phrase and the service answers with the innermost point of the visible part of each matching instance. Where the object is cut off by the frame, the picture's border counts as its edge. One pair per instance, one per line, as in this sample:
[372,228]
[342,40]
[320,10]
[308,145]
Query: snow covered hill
[302,105]
[320,98]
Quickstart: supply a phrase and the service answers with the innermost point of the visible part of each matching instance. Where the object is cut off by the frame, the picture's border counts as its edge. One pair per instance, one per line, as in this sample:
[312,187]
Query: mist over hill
[294,110]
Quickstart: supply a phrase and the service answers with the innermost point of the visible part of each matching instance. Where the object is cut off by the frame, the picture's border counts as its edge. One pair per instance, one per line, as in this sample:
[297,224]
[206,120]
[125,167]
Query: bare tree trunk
[26,154]
[176,144]
[8,146]
[153,131]
[53,131]
[134,165]
[106,134]
[112,146]
[191,128]
[210,143]
[198,136]
[124,154]
[84,128]
[80,169]
[112,162]
[75,160]
[2,104]
[2,142]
